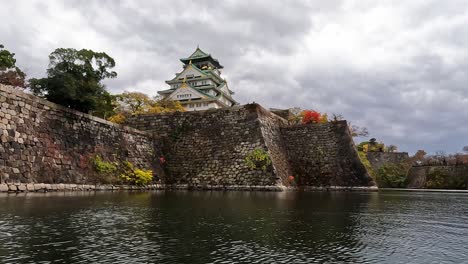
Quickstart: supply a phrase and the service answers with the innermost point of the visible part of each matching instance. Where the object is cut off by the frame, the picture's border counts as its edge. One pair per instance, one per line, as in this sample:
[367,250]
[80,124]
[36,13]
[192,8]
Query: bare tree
[392,148]
[357,131]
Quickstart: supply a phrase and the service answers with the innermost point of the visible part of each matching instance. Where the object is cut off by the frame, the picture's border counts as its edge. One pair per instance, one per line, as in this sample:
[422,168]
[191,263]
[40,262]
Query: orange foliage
[310,117]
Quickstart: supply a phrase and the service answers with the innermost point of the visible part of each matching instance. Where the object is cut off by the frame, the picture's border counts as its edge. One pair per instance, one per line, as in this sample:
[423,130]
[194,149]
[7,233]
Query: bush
[134,175]
[258,159]
[438,179]
[105,170]
[392,175]
[310,117]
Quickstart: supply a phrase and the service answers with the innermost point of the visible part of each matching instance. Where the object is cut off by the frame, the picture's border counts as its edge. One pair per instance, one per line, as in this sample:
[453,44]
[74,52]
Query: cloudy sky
[400,68]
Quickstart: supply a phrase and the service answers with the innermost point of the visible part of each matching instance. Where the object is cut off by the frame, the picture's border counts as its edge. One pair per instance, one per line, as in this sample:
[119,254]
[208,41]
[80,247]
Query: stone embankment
[44,143]
[46,187]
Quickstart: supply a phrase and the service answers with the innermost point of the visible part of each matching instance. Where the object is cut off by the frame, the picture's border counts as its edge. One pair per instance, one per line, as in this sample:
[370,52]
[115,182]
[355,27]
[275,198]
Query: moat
[233,227]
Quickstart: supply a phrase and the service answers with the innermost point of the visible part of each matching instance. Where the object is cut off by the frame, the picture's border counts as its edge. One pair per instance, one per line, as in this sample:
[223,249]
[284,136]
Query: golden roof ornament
[184,83]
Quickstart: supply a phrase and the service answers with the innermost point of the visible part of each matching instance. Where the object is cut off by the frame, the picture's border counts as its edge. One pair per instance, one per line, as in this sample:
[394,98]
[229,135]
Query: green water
[234,227]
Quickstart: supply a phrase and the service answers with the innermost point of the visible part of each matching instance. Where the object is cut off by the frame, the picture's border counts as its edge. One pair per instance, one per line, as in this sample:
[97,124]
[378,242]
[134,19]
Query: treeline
[74,79]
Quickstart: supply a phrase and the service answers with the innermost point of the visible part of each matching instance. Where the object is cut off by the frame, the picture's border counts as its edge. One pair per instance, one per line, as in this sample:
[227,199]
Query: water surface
[234,227]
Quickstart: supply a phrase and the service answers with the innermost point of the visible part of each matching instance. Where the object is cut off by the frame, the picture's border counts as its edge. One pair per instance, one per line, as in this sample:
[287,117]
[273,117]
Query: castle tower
[199,85]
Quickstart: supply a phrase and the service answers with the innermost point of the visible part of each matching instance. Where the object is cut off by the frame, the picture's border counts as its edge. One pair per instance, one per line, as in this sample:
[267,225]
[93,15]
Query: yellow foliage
[117,118]
[324,118]
[134,175]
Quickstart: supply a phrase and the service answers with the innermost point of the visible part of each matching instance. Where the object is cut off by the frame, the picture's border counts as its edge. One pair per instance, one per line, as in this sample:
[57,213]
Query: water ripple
[204,227]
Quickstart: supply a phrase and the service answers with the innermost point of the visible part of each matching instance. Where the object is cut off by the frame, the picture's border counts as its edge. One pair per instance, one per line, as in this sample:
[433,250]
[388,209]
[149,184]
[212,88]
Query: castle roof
[198,56]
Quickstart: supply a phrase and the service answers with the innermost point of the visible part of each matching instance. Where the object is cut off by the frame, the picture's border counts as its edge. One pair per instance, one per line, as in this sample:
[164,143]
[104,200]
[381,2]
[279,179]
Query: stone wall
[378,159]
[452,176]
[324,155]
[42,142]
[209,147]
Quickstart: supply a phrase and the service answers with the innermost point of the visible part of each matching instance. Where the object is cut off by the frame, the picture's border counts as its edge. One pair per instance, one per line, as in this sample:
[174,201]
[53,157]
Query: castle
[199,86]
[44,143]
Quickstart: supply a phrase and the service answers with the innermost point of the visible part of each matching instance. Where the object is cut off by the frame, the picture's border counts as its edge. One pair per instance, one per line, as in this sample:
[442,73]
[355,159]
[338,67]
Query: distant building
[199,86]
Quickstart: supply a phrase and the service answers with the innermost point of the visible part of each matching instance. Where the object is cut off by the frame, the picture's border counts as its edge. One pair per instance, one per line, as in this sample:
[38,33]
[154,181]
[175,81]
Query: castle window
[184,96]
[189,76]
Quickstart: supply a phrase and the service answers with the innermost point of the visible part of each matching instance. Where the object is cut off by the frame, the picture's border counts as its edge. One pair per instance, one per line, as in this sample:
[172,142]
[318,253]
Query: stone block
[4,188]
[21,187]
[12,188]
[30,187]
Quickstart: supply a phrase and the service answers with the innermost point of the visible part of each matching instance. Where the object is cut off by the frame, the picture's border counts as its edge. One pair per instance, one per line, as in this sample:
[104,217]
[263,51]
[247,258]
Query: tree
[392,148]
[74,80]
[357,131]
[465,149]
[135,103]
[10,74]
[419,157]
[310,116]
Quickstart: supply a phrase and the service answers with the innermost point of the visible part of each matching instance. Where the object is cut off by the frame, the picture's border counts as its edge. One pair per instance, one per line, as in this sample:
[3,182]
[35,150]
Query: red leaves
[311,117]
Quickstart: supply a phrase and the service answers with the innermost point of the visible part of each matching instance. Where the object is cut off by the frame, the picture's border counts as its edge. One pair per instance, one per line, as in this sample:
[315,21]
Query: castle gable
[185,92]
[188,73]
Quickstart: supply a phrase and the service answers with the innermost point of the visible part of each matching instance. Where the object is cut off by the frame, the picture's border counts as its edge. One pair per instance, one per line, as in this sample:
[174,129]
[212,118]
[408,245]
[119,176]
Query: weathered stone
[21,187]
[202,150]
[4,188]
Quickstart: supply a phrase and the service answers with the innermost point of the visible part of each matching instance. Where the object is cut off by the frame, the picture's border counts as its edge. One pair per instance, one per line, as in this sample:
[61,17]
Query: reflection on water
[234,227]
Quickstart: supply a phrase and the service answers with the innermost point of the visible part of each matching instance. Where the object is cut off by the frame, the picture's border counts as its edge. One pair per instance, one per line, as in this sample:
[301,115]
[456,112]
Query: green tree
[10,74]
[74,80]
[392,175]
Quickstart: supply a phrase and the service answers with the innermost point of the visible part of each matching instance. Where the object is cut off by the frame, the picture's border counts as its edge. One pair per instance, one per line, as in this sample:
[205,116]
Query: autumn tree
[135,103]
[10,74]
[74,80]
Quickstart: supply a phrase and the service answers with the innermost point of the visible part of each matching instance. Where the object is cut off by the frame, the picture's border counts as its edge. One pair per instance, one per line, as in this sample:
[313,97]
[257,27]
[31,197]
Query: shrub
[392,175]
[105,170]
[438,179]
[258,159]
[102,166]
[133,175]
[309,117]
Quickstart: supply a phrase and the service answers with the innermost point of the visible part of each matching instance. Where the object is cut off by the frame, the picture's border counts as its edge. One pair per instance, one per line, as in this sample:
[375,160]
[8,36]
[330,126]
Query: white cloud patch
[399,68]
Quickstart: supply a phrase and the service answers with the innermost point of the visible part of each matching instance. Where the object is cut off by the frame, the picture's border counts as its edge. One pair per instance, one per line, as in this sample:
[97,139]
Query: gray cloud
[399,68]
